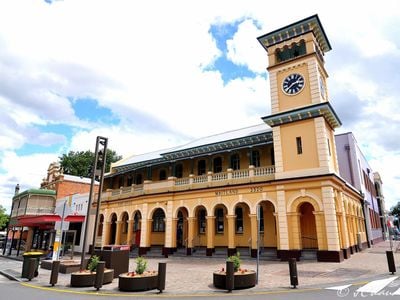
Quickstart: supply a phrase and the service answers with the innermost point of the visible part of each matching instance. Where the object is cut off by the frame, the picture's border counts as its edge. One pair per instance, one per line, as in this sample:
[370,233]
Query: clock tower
[302,119]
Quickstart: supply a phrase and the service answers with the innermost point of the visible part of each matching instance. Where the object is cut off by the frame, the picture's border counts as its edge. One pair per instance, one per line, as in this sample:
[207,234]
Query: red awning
[28,220]
[74,218]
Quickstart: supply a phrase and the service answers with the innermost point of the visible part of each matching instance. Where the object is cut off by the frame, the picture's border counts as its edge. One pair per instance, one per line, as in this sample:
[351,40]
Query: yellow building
[204,196]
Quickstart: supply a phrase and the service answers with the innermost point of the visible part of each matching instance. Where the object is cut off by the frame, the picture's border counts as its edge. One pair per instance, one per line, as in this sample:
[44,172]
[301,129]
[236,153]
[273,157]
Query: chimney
[16,190]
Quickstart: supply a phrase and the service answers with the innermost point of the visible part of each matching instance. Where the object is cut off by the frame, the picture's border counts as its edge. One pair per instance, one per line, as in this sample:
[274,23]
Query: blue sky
[155,78]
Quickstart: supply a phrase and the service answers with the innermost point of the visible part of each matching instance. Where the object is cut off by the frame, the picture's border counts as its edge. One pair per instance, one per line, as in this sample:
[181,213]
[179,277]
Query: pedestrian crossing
[388,287]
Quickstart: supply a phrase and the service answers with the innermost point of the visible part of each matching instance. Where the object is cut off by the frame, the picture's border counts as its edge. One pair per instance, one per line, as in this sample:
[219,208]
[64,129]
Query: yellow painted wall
[309,158]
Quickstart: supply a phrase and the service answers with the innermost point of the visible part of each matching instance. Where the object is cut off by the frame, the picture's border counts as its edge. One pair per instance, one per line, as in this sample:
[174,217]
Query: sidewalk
[194,275]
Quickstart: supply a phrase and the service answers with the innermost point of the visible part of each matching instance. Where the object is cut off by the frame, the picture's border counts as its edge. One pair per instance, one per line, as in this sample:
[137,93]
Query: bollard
[230,278]
[55,267]
[98,281]
[162,274]
[293,272]
[31,268]
[390,260]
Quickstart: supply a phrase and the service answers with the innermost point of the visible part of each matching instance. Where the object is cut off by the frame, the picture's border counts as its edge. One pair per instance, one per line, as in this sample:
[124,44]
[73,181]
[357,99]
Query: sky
[155,74]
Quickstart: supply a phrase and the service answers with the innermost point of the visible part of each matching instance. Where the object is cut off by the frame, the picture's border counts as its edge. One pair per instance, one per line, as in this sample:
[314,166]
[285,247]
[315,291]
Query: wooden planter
[137,283]
[83,279]
[241,280]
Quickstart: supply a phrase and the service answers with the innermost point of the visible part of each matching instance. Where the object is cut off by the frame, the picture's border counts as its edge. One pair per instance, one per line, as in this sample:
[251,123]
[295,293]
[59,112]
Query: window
[158,220]
[291,52]
[202,221]
[217,165]
[239,219]
[163,175]
[235,162]
[136,223]
[121,181]
[179,171]
[255,158]
[261,219]
[299,145]
[219,220]
[138,179]
[130,180]
[125,222]
[201,167]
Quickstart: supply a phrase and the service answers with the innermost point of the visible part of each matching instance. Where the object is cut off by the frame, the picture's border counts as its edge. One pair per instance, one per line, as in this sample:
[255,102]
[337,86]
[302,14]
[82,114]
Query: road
[386,286]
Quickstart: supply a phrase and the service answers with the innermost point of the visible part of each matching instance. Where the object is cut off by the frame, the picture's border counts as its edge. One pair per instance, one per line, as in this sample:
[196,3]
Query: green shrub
[236,261]
[141,265]
[93,262]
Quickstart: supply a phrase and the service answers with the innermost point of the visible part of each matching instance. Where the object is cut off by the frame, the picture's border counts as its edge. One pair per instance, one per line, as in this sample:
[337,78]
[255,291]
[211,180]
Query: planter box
[137,283]
[241,281]
[82,279]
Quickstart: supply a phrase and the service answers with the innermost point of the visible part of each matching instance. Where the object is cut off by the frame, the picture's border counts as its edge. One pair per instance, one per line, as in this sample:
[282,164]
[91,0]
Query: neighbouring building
[208,196]
[34,214]
[355,169]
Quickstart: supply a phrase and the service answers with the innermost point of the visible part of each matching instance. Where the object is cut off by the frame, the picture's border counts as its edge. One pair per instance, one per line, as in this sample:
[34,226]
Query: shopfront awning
[74,218]
[29,220]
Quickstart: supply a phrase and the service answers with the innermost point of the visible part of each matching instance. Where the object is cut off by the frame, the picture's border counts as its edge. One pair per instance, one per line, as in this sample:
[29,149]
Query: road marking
[396,292]
[375,286]
[338,288]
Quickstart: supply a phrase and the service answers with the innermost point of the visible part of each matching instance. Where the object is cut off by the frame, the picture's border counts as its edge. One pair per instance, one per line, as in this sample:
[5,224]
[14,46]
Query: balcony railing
[252,174]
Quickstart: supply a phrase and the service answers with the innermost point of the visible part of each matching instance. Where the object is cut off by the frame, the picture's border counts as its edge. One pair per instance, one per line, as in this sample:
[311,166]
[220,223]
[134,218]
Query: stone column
[210,234]
[295,231]
[118,233]
[253,226]
[282,226]
[191,230]
[129,233]
[231,234]
[331,225]
[170,231]
[173,233]
[106,233]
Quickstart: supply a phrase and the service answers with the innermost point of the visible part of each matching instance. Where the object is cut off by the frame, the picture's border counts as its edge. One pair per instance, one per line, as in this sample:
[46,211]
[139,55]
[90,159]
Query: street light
[98,168]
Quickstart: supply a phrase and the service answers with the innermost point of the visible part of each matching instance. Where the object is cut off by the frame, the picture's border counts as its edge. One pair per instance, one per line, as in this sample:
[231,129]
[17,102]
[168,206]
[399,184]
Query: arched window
[239,219]
[219,220]
[163,175]
[100,228]
[179,171]
[136,222]
[217,165]
[158,220]
[202,221]
[235,161]
[201,167]
[255,158]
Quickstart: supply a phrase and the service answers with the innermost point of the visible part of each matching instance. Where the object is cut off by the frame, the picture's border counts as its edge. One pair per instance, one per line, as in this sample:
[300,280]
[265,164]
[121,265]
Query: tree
[4,218]
[80,163]
[395,210]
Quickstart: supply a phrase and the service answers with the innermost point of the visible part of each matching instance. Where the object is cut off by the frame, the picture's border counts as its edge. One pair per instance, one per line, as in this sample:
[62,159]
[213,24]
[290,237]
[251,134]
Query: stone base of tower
[284,255]
[330,256]
[346,253]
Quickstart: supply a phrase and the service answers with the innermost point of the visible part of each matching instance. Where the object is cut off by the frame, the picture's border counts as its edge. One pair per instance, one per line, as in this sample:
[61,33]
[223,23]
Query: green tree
[4,218]
[79,163]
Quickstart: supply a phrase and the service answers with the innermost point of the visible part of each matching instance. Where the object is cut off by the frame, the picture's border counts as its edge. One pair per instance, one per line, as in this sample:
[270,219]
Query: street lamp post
[100,142]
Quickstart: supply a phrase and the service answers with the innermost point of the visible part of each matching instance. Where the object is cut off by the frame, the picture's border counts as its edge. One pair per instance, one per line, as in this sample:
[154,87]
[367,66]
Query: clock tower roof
[310,24]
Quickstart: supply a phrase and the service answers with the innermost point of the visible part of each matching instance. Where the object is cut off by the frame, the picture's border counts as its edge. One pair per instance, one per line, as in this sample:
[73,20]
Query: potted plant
[86,277]
[140,279]
[243,278]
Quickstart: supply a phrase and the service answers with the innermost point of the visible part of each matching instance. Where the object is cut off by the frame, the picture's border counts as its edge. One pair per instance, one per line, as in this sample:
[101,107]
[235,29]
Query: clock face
[293,84]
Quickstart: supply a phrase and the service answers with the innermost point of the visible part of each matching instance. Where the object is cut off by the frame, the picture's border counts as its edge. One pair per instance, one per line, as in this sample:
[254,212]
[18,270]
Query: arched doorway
[308,228]
[268,230]
[113,229]
[200,228]
[137,225]
[182,229]
[157,237]
[221,226]
[242,227]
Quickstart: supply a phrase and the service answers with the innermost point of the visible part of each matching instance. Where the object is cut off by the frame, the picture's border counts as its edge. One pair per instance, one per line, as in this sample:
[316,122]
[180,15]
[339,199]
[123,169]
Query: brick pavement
[194,275]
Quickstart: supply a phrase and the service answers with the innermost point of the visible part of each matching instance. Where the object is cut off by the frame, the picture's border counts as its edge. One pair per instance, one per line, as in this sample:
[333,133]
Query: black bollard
[230,277]
[390,260]
[162,274]
[293,272]
[55,267]
[31,268]
[98,281]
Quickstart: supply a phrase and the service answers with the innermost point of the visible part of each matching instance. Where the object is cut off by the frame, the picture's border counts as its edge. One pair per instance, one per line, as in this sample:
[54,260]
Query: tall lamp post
[97,172]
